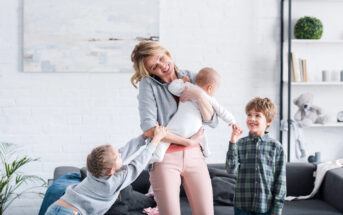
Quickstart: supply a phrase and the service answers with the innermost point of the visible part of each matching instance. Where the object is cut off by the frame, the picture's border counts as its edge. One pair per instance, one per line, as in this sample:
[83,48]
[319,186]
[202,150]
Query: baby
[187,120]
[106,177]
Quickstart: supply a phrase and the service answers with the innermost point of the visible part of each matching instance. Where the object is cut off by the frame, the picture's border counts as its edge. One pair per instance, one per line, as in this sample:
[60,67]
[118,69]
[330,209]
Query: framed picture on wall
[85,35]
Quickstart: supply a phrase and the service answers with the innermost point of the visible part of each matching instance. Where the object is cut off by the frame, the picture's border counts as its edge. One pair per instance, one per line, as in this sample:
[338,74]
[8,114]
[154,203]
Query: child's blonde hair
[141,51]
[263,105]
[100,161]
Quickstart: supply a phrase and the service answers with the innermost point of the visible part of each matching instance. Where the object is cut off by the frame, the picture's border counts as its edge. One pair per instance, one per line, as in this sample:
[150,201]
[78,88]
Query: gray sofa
[300,180]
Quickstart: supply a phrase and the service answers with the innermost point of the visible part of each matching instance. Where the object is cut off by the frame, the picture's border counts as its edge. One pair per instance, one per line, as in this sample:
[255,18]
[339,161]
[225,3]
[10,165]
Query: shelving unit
[323,54]
[335,42]
[327,125]
[316,83]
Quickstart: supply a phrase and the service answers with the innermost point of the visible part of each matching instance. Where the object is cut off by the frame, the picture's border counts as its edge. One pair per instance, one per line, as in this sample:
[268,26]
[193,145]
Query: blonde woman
[184,161]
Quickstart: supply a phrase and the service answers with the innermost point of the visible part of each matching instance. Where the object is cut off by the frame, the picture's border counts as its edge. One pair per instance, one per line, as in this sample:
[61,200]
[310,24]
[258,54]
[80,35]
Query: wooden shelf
[327,125]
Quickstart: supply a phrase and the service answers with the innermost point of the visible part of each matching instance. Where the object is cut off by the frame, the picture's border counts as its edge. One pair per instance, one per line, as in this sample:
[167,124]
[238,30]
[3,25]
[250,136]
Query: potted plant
[308,28]
[11,179]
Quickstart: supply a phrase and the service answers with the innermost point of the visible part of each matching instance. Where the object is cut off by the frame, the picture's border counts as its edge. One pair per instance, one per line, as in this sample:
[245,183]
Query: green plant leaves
[10,177]
[308,28]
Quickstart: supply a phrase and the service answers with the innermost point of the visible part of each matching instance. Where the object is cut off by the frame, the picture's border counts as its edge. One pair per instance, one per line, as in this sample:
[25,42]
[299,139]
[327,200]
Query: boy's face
[257,122]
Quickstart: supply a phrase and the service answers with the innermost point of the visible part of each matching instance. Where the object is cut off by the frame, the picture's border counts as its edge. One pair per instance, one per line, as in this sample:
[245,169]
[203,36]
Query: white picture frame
[85,35]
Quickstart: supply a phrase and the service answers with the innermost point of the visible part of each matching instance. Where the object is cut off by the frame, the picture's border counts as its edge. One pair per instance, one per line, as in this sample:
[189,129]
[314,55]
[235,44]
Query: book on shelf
[299,69]
[304,69]
[295,68]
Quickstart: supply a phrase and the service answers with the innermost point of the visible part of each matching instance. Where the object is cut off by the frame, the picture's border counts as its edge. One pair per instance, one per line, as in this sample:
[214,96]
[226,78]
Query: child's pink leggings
[188,167]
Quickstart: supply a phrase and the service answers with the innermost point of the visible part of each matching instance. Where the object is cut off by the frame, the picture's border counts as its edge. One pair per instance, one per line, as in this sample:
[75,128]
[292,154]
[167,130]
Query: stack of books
[299,69]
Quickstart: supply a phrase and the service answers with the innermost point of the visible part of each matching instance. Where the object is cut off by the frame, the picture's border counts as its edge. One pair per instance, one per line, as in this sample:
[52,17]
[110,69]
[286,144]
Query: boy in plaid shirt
[259,161]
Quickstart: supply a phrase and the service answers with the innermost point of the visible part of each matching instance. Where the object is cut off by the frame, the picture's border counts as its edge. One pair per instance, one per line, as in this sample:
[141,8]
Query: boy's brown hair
[263,105]
[100,161]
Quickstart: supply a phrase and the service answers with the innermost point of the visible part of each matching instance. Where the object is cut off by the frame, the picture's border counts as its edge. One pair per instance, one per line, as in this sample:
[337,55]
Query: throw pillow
[223,190]
[130,200]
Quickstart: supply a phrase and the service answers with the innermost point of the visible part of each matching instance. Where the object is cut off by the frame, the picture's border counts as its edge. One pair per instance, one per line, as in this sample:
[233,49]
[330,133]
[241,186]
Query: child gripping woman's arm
[232,158]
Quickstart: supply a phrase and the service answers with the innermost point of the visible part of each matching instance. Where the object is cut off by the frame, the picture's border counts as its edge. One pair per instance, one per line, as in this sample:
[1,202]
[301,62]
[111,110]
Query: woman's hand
[197,138]
[194,93]
[236,133]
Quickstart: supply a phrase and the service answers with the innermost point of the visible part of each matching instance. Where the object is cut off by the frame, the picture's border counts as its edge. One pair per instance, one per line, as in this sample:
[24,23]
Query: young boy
[106,177]
[259,161]
[187,120]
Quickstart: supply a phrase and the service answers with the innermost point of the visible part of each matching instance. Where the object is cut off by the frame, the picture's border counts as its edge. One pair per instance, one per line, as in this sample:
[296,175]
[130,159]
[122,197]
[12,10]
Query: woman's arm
[208,114]
[147,106]
[173,138]
[148,116]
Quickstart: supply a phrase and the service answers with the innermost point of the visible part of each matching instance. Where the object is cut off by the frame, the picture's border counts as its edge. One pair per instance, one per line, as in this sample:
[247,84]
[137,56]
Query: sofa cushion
[62,170]
[83,172]
[142,183]
[223,210]
[332,188]
[309,207]
[218,209]
[300,179]
[223,184]
[223,190]
[57,189]
[130,200]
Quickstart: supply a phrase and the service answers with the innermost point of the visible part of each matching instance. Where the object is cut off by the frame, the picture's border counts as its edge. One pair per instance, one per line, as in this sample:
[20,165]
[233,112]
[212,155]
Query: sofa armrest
[332,188]
[299,178]
[62,170]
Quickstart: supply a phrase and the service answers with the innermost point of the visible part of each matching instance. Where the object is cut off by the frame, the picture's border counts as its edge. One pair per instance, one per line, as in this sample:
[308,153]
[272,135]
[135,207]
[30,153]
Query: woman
[154,70]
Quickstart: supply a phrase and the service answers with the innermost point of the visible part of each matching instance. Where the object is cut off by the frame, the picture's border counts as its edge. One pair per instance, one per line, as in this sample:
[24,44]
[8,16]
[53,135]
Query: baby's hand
[236,133]
[186,79]
[159,133]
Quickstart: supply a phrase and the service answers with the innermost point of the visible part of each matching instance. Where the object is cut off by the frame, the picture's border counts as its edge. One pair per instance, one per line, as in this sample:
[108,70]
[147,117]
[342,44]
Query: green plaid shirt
[261,181]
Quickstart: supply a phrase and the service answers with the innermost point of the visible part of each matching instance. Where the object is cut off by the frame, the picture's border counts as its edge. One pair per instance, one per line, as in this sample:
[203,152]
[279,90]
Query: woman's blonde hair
[100,161]
[141,51]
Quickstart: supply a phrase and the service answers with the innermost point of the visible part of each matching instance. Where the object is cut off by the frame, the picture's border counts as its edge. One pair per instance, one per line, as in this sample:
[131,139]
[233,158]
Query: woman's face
[161,66]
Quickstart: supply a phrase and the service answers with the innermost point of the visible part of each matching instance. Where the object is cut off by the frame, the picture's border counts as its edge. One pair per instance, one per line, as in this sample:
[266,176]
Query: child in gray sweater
[106,177]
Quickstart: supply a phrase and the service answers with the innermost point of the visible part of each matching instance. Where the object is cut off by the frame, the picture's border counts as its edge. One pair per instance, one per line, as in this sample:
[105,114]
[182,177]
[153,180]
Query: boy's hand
[186,79]
[150,132]
[159,133]
[236,133]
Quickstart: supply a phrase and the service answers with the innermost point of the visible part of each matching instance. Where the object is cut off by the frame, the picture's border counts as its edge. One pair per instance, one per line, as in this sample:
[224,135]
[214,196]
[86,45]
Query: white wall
[61,117]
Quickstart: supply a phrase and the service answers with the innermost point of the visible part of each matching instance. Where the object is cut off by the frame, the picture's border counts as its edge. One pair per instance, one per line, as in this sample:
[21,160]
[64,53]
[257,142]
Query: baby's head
[260,114]
[104,160]
[209,80]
